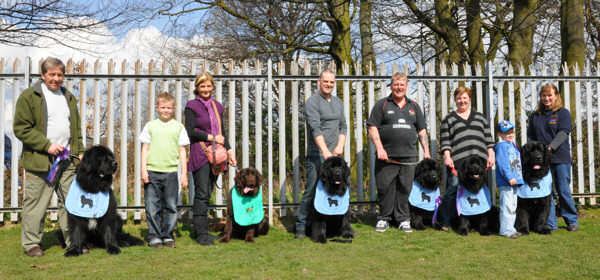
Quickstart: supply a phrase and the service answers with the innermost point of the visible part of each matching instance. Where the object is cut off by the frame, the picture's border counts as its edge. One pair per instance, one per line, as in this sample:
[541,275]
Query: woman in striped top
[464,132]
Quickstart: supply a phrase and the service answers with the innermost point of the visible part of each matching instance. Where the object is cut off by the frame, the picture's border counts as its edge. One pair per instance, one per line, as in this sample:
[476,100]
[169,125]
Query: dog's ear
[238,178]
[259,177]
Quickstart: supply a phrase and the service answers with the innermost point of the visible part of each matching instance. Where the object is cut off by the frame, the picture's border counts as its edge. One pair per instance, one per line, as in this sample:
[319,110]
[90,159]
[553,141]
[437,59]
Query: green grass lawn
[389,255]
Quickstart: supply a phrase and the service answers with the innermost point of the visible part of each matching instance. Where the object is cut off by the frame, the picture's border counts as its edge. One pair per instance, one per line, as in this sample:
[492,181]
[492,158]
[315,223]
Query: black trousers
[394,184]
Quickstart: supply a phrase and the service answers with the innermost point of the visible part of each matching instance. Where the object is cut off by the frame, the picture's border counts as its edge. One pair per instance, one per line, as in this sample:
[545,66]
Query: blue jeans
[449,200]
[312,165]
[508,208]
[161,201]
[561,176]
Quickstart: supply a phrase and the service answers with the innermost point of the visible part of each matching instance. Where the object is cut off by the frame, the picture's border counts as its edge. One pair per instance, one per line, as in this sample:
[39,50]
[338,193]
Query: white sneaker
[405,226]
[382,226]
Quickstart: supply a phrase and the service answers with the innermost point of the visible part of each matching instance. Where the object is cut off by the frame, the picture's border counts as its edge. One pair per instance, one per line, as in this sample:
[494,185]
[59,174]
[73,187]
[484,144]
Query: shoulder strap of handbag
[213,141]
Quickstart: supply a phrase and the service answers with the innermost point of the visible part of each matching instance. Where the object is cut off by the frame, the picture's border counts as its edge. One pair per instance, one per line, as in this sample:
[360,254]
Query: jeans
[161,206]
[561,176]
[508,208]
[394,184]
[312,165]
[448,208]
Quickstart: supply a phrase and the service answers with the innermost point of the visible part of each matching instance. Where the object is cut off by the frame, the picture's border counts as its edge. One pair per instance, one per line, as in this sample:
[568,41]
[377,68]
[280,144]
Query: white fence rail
[115,104]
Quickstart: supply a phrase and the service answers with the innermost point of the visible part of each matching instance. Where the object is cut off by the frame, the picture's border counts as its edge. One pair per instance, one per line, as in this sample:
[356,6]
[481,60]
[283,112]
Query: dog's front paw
[225,238]
[73,253]
[319,239]
[463,231]
[349,234]
[544,230]
[113,250]
[249,239]
[419,226]
[484,232]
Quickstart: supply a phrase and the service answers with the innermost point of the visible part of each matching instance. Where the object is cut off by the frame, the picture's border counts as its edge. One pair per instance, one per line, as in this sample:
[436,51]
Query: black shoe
[205,240]
[300,234]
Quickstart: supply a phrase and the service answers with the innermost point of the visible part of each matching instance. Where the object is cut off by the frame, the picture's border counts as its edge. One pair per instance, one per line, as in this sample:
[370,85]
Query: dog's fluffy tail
[341,240]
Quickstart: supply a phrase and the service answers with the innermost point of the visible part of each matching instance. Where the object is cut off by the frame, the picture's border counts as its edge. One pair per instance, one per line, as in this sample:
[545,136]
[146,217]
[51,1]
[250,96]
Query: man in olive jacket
[47,122]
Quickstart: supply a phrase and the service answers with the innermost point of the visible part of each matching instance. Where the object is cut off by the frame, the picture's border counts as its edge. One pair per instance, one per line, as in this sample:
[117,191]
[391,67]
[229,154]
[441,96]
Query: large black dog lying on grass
[534,197]
[92,207]
[473,198]
[331,216]
[425,193]
[245,216]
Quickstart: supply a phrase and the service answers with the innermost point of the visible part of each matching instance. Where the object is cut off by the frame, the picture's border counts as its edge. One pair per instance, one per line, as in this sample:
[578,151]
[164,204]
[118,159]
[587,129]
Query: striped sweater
[465,137]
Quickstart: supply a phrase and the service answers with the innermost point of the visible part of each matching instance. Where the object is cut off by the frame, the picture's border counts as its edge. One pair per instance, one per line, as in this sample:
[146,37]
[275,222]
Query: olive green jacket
[31,123]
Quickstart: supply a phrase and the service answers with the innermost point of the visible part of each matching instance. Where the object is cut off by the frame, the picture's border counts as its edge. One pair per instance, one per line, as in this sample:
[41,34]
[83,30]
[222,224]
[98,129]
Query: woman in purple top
[201,124]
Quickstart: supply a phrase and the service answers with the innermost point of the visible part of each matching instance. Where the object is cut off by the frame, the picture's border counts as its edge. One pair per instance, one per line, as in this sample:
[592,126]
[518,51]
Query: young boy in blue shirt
[509,176]
[163,145]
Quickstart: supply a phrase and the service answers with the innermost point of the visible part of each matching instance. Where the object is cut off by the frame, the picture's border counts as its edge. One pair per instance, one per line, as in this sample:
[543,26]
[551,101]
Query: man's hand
[512,181]
[338,151]
[55,149]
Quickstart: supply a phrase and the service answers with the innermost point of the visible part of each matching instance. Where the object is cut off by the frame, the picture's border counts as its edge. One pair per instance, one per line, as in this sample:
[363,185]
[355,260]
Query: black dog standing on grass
[92,207]
[534,197]
[331,216]
[245,214]
[424,197]
[473,200]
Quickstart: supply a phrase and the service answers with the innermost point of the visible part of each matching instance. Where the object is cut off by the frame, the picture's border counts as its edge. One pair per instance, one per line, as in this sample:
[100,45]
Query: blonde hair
[557,104]
[164,97]
[201,78]
[460,90]
[399,76]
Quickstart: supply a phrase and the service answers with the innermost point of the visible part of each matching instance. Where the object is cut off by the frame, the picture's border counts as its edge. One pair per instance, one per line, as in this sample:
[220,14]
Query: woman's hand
[219,139]
[232,160]
[449,162]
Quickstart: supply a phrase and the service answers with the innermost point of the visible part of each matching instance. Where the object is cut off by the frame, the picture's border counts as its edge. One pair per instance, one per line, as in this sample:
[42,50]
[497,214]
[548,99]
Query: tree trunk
[451,32]
[366,37]
[339,24]
[474,36]
[572,40]
[520,45]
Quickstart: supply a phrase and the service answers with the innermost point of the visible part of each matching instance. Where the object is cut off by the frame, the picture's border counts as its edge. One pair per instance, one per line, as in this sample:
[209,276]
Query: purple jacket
[197,126]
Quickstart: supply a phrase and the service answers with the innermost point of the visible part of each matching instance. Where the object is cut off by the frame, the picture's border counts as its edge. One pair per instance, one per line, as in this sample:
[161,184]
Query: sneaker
[405,226]
[446,228]
[300,234]
[573,228]
[382,226]
[513,235]
[157,245]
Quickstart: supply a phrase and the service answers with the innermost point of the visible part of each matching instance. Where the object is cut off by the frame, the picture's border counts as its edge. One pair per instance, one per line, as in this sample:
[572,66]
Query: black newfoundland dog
[331,216]
[534,198]
[425,193]
[94,176]
[248,208]
[473,197]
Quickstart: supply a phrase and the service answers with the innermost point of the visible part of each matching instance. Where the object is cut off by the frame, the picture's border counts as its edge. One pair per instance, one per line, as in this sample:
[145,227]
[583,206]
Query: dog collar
[247,210]
[327,204]
[423,198]
[87,205]
[537,188]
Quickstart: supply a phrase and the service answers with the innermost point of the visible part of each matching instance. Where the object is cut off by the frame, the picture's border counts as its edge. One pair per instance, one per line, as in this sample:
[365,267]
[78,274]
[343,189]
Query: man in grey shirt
[326,134]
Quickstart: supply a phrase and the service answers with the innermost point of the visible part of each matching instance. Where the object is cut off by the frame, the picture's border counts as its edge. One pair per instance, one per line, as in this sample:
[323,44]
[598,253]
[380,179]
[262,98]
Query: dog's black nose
[114,164]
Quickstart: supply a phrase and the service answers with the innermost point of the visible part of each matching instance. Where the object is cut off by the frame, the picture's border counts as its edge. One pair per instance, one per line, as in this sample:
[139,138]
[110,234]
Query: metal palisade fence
[265,123]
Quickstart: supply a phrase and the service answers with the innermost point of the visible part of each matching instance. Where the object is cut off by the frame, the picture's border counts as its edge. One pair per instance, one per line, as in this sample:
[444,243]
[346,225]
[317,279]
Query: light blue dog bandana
[423,198]
[328,204]
[247,210]
[469,204]
[532,191]
[84,204]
